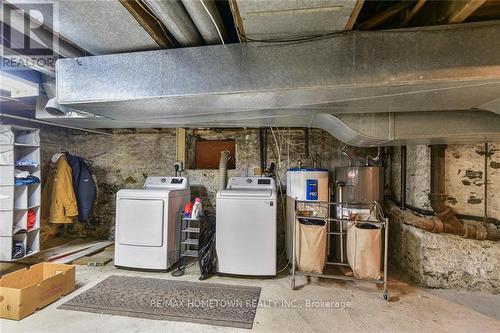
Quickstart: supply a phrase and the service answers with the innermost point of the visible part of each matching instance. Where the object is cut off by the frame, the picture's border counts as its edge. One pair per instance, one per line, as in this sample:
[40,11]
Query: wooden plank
[411,14]
[490,10]
[99,259]
[208,152]
[48,252]
[383,16]
[91,250]
[354,15]
[459,11]
[70,251]
[238,22]
[180,147]
[7,267]
[150,23]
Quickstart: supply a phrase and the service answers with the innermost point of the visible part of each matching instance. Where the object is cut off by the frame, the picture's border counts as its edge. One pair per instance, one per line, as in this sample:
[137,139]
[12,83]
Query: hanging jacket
[83,185]
[58,197]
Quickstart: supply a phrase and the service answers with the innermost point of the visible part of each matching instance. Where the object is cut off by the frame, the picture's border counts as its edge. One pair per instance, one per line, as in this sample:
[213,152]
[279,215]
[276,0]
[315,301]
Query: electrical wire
[213,21]
[282,269]
[294,38]
[150,12]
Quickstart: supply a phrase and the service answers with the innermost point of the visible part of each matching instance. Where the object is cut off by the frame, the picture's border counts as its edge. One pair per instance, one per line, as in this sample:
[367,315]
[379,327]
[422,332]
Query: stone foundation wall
[465,178]
[442,260]
[127,157]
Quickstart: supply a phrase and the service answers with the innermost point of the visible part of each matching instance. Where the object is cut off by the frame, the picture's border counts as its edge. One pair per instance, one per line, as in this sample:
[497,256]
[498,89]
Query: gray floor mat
[203,303]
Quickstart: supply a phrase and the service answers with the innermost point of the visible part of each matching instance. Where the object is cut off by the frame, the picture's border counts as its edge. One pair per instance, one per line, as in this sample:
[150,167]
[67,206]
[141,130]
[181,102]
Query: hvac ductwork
[64,48]
[206,17]
[176,19]
[331,83]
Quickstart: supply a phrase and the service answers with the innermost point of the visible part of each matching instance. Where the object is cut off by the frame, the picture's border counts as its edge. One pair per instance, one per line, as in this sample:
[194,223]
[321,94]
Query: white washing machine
[148,223]
[246,227]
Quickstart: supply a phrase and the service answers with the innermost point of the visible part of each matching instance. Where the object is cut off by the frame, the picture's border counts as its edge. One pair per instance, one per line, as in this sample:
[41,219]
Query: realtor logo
[26,38]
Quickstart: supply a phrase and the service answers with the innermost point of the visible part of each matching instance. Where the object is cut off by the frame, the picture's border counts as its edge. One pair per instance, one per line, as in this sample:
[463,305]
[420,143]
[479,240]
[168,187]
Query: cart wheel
[387,296]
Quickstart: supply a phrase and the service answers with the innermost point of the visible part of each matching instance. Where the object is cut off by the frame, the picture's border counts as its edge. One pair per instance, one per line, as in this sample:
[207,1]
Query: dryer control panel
[251,183]
[166,183]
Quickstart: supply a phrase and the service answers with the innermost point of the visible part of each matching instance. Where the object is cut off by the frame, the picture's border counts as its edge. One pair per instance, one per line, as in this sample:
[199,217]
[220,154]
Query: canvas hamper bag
[364,247]
[311,245]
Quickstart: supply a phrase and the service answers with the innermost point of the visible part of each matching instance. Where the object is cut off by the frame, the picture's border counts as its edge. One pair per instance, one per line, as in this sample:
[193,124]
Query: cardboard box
[27,290]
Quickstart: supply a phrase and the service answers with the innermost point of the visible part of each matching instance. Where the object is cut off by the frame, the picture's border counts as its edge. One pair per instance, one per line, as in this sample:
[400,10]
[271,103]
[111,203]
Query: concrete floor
[413,309]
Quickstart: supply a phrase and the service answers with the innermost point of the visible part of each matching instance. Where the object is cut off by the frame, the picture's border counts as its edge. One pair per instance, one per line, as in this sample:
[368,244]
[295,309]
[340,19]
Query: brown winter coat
[58,197]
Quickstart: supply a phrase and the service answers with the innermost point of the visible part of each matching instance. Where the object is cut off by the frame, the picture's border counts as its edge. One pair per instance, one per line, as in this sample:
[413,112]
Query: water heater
[304,184]
[361,184]
[307,184]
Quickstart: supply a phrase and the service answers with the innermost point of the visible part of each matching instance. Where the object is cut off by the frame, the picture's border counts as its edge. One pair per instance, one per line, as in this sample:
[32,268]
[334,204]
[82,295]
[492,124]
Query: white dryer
[246,227]
[147,231]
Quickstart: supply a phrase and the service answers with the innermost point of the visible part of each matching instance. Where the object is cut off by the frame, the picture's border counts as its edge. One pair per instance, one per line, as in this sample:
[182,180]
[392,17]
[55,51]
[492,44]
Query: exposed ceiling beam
[411,14]
[383,16]
[354,15]
[458,11]
[238,22]
[150,23]
[490,10]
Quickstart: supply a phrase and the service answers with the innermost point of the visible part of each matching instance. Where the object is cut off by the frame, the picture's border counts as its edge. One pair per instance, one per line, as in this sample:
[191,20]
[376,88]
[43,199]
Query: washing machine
[147,231]
[246,227]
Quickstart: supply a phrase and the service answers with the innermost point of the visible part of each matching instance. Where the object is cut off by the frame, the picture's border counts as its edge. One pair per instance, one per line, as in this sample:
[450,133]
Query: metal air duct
[174,16]
[207,19]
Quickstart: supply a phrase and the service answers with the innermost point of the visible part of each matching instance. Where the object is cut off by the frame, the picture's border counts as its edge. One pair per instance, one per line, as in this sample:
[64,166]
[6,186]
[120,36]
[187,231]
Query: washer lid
[246,193]
[143,193]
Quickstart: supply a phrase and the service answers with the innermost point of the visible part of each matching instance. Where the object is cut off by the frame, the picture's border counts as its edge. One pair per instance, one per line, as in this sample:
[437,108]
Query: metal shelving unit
[188,243]
[381,221]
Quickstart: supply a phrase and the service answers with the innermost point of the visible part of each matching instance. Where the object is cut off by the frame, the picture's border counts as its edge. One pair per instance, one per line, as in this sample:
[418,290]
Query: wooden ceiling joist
[411,14]
[150,23]
[459,11]
[354,15]
[383,16]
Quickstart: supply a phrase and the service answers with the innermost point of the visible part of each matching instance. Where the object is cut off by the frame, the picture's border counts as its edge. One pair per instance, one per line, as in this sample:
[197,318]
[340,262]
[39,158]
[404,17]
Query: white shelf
[17,144]
[16,202]
[20,197]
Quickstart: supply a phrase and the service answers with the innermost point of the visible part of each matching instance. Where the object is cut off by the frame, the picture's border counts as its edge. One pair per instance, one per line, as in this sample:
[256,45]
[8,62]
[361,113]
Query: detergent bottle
[197,210]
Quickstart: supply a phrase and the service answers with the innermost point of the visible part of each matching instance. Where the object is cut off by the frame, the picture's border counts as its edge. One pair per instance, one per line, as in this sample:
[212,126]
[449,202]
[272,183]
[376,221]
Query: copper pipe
[451,223]
[408,217]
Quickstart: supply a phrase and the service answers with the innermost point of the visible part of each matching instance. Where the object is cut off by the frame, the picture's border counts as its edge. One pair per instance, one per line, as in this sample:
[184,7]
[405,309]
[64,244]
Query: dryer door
[140,222]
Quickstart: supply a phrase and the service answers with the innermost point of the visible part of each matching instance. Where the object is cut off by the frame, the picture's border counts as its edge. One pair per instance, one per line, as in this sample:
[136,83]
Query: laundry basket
[311,245]
[364,245]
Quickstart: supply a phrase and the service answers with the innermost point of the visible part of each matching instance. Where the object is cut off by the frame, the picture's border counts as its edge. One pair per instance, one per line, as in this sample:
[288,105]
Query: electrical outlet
[180,165]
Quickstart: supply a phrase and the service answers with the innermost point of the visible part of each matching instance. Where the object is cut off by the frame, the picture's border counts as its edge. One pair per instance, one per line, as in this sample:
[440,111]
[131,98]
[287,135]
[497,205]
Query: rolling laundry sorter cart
[336,268]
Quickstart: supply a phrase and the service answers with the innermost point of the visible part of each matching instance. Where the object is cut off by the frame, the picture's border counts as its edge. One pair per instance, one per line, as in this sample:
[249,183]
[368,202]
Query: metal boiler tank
[355,185]
[362,184]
